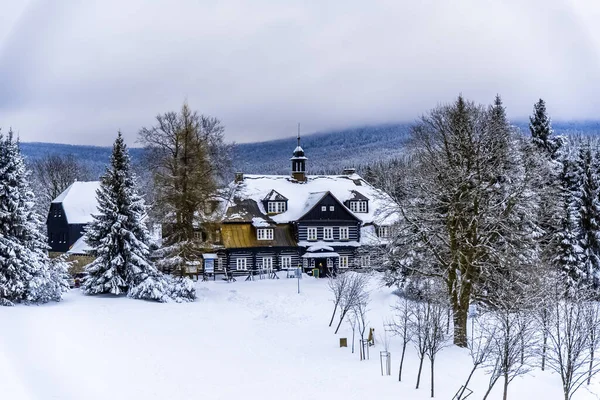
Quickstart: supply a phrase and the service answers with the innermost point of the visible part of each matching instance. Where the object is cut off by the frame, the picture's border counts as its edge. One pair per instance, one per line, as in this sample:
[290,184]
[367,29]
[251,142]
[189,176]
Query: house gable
[327,208]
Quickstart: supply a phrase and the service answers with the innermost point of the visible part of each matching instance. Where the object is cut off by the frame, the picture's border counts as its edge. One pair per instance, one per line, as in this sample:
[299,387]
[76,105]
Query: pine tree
[119,238]
[26,273]
[541,129]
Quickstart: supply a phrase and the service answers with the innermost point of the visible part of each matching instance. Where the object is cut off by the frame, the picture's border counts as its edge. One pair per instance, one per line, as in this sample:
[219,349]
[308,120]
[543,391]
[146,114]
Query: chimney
[349,171]
[239,177]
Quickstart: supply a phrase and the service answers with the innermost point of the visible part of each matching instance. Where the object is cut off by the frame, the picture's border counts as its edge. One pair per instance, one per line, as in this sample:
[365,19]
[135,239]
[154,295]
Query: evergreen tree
[588,207]
[569,259]
[119,238]
[541,129]
[26,273]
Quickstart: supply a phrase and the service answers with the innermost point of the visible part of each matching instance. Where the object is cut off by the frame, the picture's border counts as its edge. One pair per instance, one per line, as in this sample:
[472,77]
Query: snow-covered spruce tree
[541,129]
[119,238]
[569,257]
[26,273]
[588,207]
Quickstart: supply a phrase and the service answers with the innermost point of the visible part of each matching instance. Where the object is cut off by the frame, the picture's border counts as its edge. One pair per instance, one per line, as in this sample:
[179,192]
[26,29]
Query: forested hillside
[327,151]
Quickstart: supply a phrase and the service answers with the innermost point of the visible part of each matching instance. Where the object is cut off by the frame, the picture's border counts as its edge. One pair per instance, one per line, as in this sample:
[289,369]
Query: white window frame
[328,233]
[310,230]
[286,262]
[264,234]
[354,206]
[344,261]
[271,207]
[384,231]
[362,206]
[365,261]
[323,208]
[281,206]
[331,208]
[267,263]
[241,264]
[346,234]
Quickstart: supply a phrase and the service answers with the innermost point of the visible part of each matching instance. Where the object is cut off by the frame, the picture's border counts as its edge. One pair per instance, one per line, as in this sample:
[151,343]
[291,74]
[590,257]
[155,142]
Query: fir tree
[541,129]
[119,238]
[26,273]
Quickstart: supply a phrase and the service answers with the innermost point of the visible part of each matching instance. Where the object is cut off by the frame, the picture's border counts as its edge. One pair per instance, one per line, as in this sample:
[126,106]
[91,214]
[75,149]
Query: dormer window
[384,231]
[276,207]
[264,234]
[358,206]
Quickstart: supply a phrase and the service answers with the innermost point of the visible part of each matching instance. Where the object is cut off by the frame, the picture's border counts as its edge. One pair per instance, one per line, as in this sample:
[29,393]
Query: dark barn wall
[57,229]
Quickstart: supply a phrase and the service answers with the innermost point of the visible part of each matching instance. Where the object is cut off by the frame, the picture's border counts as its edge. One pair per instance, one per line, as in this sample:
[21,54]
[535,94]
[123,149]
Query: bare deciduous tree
[337,286]
[574,323]
[436,337]
[419,319]
[55,172]
[401,327]
[356,289]
[480,349]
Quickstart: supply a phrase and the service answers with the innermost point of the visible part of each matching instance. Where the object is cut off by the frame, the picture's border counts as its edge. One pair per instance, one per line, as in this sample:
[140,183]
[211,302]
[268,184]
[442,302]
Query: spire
[299,161]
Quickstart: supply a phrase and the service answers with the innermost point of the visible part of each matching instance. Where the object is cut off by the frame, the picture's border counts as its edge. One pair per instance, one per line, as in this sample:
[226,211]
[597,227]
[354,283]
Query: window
[323,208]
[384,231]
[286,262]
[267,263]
[343,261]
[331,208]
[240,264]
[365,261]
[198,235]
[264,234]
[220,263]
[327,233]
[358,206]
[312,234]
[276,207]
[344,234]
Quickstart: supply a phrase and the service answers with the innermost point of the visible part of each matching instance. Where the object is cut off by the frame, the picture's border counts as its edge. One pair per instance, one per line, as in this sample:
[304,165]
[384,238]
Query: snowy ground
[241,340]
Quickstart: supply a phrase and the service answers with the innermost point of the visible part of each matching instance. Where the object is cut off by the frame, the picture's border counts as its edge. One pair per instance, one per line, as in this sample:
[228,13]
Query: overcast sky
[76,71]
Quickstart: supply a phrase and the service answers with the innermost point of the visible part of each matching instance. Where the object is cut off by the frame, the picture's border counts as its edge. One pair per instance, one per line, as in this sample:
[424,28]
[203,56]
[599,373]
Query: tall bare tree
[188,156]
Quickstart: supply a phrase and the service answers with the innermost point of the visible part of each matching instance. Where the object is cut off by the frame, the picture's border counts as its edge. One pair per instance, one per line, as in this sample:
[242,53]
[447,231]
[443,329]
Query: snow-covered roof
[302,196]
[79,247]
[320,255]
[259,222]
[318,247]
[79,202]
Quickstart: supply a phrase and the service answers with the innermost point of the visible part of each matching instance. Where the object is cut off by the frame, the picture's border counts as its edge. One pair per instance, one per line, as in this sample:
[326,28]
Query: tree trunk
[466,383]
[401,362]
[490,387]
[505,395]
[333,315]
[591,366]
[419,374]
[460,325]
[432,380]
[544,347]
[340,323]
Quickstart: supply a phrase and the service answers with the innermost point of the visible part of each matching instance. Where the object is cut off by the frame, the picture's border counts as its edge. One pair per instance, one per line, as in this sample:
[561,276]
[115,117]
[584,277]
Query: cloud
[76,71]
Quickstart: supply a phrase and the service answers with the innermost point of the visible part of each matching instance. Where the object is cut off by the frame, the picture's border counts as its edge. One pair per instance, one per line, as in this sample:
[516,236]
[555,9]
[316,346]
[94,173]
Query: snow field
[250,340]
